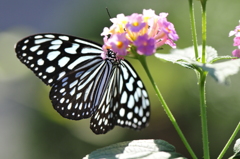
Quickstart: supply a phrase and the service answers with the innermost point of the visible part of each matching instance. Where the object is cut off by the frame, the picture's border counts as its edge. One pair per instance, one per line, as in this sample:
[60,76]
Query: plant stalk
[237,129]
[193,28]
[142,59]
[204,31]
[203,109]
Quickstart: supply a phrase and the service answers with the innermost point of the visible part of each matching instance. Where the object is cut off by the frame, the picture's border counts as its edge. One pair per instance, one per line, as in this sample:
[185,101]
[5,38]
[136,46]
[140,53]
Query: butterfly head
[113,56]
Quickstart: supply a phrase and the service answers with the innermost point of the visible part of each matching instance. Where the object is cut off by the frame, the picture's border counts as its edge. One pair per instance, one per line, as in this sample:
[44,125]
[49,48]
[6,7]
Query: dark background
[31,128]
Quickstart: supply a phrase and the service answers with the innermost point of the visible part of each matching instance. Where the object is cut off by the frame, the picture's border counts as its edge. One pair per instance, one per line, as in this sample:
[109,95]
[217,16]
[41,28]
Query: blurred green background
[31,128]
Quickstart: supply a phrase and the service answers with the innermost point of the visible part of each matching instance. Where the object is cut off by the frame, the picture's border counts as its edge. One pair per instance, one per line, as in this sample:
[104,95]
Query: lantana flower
[236,40]
[144,32]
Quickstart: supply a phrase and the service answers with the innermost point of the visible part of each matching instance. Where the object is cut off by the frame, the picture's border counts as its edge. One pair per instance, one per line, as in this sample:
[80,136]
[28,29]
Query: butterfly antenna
[108,12]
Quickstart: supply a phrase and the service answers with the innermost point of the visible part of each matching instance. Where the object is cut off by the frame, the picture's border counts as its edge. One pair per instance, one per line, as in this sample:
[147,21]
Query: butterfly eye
[83,84]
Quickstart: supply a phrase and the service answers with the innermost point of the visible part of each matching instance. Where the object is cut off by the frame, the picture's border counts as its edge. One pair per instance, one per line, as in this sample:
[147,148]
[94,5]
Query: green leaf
[227,57]
[222,70]
[219,71]
[236,150]
[137,149]
[236,147]
[186,57]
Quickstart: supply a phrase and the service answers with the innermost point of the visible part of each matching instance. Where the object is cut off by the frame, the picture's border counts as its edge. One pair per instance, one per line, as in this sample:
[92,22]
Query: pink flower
[105,47]
[119,44]
[135,22]
[236,40]
[236,53]
[235,31]
[148,13]
[167,28]
[145,45]
[144,32]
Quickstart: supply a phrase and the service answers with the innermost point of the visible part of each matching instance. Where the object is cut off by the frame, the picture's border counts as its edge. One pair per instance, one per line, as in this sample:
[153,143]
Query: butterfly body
[85,85]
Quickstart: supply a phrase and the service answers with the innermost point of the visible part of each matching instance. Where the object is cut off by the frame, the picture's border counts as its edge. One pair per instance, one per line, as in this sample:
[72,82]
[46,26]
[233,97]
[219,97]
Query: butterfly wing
[125,102]
[79,93]
[51,56]
[72,66]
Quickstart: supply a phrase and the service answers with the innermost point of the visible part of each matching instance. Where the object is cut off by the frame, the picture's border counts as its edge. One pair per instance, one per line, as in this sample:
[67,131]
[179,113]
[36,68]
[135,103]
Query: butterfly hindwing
[125,103]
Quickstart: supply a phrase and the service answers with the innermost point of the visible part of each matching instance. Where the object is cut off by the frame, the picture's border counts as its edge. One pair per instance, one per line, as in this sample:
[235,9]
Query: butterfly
[85,85]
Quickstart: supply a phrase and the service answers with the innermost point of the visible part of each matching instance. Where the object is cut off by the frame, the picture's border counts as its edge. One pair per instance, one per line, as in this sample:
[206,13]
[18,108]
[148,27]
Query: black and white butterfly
[83,84]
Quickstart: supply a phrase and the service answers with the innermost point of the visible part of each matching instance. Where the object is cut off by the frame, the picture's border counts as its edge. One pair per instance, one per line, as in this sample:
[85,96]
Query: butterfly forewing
[51,56]
[85,85]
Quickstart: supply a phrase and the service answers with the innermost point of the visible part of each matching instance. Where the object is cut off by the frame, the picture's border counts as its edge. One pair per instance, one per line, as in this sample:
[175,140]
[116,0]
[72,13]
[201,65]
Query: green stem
[229,141]
[193,28]
[203,108]
[204,31]
[142,59]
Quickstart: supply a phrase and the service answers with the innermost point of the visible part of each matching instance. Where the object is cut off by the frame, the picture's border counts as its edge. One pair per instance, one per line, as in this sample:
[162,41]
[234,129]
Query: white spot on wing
[125,73]
[91,50]
[38,36]
[136,110]
[144,93]
[50,80]
[63,61]
[40,62]
[64,38]
[73,84]
[72,49]
[62,90]
[54,47]
[50,69]
[73,91]
[140,113]
[130,84]
[30,57]
[26,41]
[144,119]
[135,120]
[69,106]
[49,36]
[147,101]
[124,98]
[130,115]
[24,47]
[78,95]
[61,74]
[40,52]
[52,55]
[131,102]
[62,100]
[122,112]
[140,84]
[107,109]
[39,41]
[34,48]
[56,42]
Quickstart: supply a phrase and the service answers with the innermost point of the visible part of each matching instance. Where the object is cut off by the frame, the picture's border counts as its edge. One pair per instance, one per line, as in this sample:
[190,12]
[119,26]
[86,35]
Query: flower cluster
[236,40]
[142,32]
